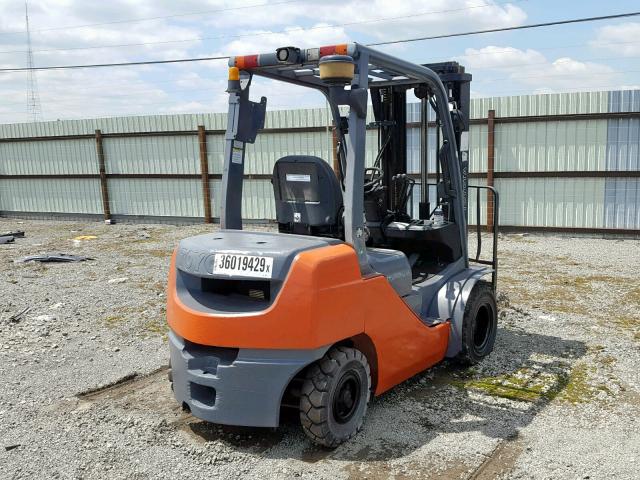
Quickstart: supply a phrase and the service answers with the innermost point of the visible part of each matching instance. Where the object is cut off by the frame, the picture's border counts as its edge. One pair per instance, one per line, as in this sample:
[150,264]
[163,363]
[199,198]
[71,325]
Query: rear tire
[334,396]
[479,325]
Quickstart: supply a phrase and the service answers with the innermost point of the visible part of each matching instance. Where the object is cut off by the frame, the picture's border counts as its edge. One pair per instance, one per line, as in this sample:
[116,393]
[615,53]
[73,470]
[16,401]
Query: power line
[150,88]
[417,39]
[122,64]
[260,34]
[146,85]
[204,94]
[507,29]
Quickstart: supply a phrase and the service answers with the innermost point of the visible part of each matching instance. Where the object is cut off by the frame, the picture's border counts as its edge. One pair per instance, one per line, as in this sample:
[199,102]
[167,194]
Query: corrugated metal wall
[622,195]
[551,146]
[61,157]
[554,145]
[551,202]
[547,104]
[40,195]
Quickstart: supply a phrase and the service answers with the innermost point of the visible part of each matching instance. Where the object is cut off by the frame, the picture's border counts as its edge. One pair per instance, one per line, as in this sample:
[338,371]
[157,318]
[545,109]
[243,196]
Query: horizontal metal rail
[267,176]
[322,128]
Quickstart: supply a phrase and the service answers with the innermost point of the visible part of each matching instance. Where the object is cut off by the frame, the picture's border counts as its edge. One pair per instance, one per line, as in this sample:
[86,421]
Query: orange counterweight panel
[323,300]
[404,345]
[318,304]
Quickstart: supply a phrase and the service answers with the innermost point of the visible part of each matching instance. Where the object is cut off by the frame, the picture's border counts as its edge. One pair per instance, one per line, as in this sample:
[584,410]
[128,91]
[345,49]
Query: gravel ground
[559,397]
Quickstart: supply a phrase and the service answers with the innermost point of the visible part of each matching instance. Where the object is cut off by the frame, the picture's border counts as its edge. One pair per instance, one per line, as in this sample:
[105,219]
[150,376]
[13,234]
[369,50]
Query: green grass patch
[633,296]
[158,253]
[113,321]
[156,326]
[531,385]
[575,386]
[525,385]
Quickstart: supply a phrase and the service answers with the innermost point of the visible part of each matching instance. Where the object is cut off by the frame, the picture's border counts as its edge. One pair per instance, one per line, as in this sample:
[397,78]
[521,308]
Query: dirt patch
[559,388]
[406,471]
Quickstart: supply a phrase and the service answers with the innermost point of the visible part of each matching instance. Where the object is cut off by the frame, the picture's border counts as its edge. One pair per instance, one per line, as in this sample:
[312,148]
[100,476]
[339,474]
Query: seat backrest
[308,196]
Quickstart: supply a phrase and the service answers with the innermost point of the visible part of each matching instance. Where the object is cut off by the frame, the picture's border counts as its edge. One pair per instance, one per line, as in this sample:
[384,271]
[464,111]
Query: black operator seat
[308,197]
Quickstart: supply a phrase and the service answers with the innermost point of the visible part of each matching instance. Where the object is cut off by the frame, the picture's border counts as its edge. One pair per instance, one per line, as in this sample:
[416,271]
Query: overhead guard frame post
[245,119]
[354,178]
[232,172]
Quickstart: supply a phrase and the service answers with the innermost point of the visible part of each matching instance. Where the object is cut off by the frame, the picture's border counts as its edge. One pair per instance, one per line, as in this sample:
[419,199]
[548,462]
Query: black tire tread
[315,392]
[465,357]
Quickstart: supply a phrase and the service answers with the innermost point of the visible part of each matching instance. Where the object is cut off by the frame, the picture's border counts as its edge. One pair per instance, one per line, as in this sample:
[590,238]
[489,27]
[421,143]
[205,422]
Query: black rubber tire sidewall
[319,388]
[481,295]
[345,430]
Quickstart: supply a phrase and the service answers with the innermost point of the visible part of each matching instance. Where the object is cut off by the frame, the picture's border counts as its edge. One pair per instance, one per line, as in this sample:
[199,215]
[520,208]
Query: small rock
[118,280]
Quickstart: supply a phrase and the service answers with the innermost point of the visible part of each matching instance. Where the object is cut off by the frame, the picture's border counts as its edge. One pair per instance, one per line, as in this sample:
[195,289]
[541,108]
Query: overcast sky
[593,56]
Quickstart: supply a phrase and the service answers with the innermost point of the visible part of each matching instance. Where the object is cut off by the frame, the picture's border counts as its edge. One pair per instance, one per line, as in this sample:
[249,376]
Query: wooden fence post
[103,178]
[491,151]
[204,172]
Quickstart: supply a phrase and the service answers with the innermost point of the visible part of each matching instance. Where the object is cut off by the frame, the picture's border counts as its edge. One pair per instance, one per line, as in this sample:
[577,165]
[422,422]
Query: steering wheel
[372,178]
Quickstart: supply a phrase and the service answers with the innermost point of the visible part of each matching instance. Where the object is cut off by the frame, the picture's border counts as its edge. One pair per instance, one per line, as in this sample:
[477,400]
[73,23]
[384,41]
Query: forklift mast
[458,85]
[390,113]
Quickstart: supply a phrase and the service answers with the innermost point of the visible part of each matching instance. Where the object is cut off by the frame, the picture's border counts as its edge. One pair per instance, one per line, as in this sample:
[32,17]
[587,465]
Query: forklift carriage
[353,295]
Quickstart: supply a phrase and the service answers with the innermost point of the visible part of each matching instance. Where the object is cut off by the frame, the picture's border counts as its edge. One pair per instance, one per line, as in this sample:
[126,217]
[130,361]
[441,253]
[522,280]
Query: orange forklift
[355,293]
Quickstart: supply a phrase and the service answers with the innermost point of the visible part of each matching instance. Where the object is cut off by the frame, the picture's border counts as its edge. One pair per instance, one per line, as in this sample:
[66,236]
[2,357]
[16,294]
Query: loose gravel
[559,397]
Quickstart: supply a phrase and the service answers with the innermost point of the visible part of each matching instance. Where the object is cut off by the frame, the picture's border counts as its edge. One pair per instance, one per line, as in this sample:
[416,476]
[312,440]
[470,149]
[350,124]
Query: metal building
[562,162]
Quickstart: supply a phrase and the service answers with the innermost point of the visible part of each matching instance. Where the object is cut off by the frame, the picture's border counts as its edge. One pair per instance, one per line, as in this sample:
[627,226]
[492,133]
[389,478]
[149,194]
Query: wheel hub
[346,397]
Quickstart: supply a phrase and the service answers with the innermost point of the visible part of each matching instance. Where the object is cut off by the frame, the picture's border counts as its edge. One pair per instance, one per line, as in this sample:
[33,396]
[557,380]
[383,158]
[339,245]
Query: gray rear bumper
[234,386]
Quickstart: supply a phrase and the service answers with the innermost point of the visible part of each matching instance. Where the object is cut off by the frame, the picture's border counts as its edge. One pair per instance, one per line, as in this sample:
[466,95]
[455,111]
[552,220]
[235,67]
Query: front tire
[334,396]
[479,325]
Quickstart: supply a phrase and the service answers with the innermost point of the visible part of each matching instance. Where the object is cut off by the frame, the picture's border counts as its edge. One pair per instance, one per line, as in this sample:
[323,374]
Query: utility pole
[33,97]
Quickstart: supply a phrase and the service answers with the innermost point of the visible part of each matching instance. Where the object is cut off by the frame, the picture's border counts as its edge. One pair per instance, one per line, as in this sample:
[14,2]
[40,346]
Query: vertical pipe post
[334,145]
[491,152]
[424,206]
[106,208]
[204,172]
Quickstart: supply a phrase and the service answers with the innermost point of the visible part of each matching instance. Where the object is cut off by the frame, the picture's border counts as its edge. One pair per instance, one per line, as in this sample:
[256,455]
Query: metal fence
[561,162]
